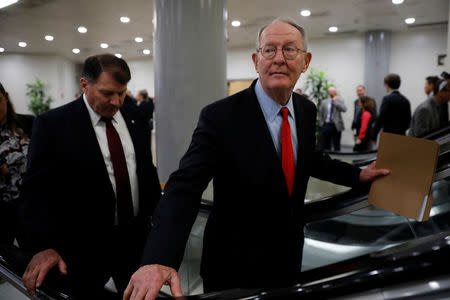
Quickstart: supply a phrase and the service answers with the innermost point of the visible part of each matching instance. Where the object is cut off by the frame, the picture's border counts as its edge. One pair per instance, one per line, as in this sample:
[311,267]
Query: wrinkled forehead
[281,33]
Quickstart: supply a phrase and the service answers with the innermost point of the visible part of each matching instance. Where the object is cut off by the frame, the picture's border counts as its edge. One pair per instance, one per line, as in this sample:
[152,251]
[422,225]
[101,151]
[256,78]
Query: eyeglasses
[289,52]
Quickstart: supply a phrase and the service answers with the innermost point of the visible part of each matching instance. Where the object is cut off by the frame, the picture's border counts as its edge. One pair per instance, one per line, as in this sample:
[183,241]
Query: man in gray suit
[331,120]
[426,117]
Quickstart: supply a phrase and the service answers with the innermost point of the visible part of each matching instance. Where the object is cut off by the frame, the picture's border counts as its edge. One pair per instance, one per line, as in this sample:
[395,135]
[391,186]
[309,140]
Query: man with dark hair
[395,110]
[258,146]
[427,116]
[90,188]
[146,105]
[431,85]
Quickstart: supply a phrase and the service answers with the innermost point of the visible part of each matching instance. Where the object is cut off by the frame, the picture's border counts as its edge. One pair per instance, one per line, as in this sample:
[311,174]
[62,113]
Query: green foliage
[316,86]
[39,101]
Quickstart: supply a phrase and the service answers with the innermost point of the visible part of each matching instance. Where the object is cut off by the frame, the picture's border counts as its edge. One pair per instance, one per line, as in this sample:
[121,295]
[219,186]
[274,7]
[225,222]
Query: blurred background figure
[364,124]
[356,124]
[331,120]
[299,91]
[395,110]
[430,85]
[427,116]
[146,105]
[14,140]
[130,95]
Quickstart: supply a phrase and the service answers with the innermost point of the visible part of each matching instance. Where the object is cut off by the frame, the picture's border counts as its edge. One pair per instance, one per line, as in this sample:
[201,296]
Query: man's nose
[115,100]
[279,57]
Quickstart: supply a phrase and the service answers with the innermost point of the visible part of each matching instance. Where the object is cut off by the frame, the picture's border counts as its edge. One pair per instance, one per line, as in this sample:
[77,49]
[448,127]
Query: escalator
[347,243]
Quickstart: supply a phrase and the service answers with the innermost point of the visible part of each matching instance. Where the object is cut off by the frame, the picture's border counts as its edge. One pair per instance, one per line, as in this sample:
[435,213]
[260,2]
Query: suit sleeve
[37,213]
[420,124]
[178,208]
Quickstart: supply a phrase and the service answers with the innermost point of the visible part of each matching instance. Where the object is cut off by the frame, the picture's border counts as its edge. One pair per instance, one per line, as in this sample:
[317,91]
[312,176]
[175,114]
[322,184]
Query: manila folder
[406,190]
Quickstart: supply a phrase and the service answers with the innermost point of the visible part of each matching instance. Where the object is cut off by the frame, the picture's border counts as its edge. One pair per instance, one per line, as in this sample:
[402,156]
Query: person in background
[146,105]
[362,142]
[395,110]
[331,120]
[430,85]
[258,146]
[426,117]
[13,158]
[299,91]
[360,91]
[90,187]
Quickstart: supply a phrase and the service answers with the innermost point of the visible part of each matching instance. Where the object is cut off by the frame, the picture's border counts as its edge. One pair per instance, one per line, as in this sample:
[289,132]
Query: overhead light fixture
[118,55]
[76,50]
[146,51]
[2,49]
[104,45]
[5,3]
[236,23]
[49,38]
[397,2]
[305,12]
[138,39]
[410,20]
[333,29]
[124,19]
[22,44]
[82,29]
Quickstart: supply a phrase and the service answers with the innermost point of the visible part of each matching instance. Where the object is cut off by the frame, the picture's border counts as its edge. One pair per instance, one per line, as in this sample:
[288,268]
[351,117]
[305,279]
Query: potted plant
[316,86]
[39,101]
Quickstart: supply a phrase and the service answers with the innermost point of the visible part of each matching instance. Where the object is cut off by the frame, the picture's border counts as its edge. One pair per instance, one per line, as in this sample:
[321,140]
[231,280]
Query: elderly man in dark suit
[90,188]
[395,110]
[258,146]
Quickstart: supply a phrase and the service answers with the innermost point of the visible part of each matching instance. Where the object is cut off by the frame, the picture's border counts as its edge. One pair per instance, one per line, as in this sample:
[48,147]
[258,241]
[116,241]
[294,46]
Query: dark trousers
[331,135]
[8,222]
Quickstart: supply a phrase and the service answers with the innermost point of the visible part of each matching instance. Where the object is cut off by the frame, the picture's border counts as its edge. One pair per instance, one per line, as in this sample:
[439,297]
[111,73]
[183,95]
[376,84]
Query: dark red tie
[287,152]
[123,187]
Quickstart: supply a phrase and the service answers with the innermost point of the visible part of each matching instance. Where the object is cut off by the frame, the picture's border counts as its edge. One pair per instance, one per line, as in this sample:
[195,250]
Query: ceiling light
[76,50]
[236,23]
[49,38]
[82,29]
[410,20]
[138,39]
[124,19]
[146,51]
[118,55]
[305,13]
[22,44]
[333,29]
[397,2]
[2,49]
[104,45]
[5,3]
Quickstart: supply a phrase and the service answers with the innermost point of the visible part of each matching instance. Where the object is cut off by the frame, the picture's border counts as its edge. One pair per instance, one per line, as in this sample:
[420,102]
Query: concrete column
[378,51]
[190,71]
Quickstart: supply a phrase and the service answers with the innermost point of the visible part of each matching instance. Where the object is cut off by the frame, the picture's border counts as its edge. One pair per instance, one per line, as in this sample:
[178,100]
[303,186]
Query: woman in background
[13,158]
[363,139]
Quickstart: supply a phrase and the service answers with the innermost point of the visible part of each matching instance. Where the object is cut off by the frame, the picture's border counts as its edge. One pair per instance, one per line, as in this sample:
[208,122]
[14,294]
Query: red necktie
[287,152]
[123,187]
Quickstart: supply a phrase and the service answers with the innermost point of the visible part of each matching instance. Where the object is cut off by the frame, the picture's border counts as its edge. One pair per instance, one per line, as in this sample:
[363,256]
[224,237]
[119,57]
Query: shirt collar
[269,106]
[95,117]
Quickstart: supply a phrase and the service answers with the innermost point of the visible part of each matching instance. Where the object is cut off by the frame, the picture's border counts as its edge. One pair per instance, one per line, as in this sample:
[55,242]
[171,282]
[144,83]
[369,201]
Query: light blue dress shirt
[272,115]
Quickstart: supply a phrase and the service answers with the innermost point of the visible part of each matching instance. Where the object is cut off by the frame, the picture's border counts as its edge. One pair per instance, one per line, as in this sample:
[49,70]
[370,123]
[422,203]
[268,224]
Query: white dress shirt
[128,149]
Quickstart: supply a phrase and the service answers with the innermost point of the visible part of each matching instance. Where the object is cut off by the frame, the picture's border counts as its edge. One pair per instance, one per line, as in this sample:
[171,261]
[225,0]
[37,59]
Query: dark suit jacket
[394,116]
[254,235]
[68,199]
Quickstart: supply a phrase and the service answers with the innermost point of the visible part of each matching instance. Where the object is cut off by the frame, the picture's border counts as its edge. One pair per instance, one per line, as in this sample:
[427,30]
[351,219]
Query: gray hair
[286,20]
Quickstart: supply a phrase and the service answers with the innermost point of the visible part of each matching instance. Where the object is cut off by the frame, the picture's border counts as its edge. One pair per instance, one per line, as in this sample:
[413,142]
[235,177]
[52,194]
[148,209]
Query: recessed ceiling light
[82,29]
[138,39]
[22,44]
[236,23]
[124,19]
[333,29]
[104,45]
[397,2]
[76,50]
[146,51]
[410,20]
[305,12]
[49,38]
[5,3]
[2,49]
[118,55]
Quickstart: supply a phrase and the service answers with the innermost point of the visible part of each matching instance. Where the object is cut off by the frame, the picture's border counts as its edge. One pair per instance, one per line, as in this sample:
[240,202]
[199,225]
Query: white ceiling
[31,20]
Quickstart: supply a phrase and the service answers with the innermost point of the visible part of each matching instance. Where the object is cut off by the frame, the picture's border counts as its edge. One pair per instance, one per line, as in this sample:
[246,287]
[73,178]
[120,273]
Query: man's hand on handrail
[39,266]
[148,280]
